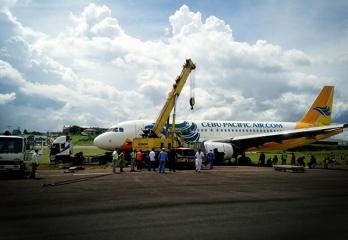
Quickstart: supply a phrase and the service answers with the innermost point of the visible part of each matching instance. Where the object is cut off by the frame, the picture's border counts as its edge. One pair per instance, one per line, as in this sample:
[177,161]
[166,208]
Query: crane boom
[170,103]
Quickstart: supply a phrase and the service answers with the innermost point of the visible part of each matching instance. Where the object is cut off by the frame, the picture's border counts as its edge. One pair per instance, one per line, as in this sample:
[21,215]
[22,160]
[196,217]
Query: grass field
[80,140]
[320,156]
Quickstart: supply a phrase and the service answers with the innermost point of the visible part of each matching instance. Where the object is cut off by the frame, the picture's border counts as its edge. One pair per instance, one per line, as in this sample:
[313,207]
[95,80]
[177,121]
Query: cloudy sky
[99,62]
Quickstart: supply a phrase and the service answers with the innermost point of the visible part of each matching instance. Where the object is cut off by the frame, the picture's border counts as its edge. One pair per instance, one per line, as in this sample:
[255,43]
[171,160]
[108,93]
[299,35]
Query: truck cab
[12,154]
[61,150]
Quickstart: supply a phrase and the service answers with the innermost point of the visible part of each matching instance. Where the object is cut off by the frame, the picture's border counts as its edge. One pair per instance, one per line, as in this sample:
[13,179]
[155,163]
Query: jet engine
[224,148]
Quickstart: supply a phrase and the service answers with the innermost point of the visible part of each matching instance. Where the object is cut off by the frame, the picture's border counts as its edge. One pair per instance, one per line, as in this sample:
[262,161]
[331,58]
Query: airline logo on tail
[320,112]
[325,111]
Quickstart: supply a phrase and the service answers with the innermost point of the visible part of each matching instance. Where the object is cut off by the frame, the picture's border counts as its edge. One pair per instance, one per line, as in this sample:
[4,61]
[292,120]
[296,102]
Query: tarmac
[224,203]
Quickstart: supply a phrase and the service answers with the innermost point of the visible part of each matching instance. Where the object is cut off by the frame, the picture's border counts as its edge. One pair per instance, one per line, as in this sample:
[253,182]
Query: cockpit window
[115,130]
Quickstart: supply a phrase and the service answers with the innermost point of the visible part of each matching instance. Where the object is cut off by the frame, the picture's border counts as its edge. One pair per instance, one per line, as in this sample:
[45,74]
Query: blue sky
[95,62]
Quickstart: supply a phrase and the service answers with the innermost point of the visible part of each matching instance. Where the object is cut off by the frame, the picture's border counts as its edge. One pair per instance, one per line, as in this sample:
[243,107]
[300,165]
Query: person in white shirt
[199,158]
[152,156]
[34,163]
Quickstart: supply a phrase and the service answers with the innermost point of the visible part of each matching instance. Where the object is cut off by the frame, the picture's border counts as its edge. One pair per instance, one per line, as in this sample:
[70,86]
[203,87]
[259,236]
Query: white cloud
[297,58]
[185,22]
[10,75]
[96,21]
[7,97]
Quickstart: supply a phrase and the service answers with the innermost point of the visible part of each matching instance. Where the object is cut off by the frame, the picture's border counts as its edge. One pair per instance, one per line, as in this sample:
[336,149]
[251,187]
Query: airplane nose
[105,141]
[98,141]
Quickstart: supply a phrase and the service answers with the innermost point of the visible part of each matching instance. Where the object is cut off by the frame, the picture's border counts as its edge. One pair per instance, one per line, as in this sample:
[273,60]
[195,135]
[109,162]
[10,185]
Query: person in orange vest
[139,160]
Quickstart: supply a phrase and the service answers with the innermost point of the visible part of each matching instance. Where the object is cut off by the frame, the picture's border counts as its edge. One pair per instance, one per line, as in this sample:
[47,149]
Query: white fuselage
[190,131]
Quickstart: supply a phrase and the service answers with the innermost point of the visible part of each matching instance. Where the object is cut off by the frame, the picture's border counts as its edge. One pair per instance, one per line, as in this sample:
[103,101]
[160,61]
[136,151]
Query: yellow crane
[154,139]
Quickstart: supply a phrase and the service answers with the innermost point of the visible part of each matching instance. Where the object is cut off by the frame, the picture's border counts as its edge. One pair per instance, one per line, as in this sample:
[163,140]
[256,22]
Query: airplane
[235,137]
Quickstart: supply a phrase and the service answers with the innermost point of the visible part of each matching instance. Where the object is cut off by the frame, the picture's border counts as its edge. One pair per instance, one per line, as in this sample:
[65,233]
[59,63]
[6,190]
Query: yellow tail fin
[320,112]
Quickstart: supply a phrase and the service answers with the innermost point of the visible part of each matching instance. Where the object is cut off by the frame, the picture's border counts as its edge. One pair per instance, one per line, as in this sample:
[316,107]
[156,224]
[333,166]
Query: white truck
[12,154]
[61,150]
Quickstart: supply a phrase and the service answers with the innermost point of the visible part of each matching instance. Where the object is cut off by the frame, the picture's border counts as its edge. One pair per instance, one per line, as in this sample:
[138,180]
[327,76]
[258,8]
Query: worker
[122,160]
[284,157]
[269,162]
[244,160]
[300,161]
[162,158]
[211,158]
[172,160]
[152,157]
[114,160]
[199,158]
[312,162]
[262,159]
[133,157]
[332,160]
[275,160]
[293,159]
[139,160]
[34,163]
[146,160]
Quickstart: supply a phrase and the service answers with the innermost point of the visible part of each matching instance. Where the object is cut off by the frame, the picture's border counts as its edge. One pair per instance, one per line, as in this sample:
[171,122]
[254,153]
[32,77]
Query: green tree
[75,130]
[7,133]
[16,131]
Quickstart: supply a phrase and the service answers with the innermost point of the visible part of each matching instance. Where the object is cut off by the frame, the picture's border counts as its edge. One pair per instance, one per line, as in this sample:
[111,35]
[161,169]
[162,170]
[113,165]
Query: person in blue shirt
[211,158]
[162,158]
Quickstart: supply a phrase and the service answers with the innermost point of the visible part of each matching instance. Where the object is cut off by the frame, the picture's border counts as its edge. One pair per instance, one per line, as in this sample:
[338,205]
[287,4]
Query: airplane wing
[257,140]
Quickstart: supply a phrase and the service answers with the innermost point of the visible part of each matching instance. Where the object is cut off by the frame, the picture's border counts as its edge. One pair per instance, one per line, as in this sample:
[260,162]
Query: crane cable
[192,90]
